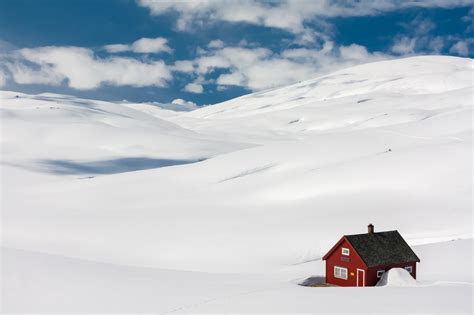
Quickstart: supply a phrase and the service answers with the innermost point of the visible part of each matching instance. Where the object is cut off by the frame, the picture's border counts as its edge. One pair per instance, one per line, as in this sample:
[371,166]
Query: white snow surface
[396,277]
[119,207]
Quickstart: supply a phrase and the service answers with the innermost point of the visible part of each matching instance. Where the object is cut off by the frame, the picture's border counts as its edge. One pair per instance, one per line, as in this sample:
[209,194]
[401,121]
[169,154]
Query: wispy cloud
[3,79]
[469,19]
[418,38]
[461,47]
[404,45]
[142,45]
[217,43]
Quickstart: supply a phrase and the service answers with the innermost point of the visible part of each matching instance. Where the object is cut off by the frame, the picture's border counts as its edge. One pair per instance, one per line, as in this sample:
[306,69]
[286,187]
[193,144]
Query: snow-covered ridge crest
[407,76]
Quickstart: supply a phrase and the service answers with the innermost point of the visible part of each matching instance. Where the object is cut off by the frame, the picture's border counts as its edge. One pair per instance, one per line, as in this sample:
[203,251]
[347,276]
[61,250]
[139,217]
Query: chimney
[370,229]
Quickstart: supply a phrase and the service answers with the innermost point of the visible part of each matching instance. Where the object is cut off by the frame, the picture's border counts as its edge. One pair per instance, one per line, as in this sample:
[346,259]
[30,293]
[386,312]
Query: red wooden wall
[351,262]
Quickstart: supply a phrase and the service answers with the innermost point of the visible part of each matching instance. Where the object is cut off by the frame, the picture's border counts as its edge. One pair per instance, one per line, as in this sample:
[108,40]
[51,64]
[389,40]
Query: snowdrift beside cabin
[396,277]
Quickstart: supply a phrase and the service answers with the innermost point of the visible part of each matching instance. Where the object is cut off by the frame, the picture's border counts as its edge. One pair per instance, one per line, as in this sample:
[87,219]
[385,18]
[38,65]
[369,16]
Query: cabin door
[360,278]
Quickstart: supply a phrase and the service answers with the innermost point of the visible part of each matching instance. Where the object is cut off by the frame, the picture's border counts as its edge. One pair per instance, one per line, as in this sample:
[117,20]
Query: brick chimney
[370,228]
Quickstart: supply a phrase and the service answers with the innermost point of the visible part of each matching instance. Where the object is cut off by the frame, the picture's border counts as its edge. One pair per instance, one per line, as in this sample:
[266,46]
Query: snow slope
[47,128]
[57,284]
[377,94]
[238,196]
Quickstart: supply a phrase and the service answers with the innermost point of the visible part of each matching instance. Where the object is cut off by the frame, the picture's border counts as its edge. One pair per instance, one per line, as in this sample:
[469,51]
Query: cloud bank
[290,15]
[260,68]
[81,69]
[247,66]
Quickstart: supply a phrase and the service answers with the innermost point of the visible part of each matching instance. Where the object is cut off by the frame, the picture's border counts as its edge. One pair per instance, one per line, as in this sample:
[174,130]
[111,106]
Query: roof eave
[325,257]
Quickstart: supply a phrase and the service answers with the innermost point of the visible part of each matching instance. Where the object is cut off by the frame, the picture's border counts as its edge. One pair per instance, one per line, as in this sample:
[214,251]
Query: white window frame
[345,251]
[363,277]
[340,272]
[409,269]
[380,273]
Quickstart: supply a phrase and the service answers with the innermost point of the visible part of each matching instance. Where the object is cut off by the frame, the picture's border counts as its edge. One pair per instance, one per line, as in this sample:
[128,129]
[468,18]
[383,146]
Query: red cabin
[361,259]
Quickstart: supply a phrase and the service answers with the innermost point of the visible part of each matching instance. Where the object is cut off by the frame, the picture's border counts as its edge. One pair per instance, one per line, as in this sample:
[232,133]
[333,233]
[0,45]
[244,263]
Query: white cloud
[243,57]
[183,66]
[419,25]
[116,48]
[194,88]
[290,15]
[404,45]
[208,63]
[83,70]
[3,79]
[416,37]
[187,105]
[460,48]
[428,44]
[229,57]
[260,68]
[143,46]
[419,39]
[217,43]
[151,45]
[306,55]
[277,72]
[178,105]
[234,78]
[469,18]
[436,44]
[354,52]
[24,74]
[6,47]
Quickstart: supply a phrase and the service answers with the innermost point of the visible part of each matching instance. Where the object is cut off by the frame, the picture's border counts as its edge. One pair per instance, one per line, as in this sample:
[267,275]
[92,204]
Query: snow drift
[396,277]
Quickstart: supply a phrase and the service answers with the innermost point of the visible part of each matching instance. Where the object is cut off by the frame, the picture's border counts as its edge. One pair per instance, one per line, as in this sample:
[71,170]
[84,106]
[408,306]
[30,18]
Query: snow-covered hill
[249,187]
[372,95]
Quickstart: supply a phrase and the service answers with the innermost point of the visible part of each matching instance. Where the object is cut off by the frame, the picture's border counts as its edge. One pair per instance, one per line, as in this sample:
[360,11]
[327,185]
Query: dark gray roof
[382,248]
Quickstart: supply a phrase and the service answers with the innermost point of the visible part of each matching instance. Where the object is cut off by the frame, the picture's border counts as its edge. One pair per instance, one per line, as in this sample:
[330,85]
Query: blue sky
[210,51]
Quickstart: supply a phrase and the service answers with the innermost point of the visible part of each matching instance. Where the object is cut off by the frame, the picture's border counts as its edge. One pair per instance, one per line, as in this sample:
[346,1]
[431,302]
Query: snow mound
[397,277]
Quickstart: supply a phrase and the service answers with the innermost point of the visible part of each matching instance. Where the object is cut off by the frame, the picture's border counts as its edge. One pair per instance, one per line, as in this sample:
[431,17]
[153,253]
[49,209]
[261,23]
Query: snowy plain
[120,207]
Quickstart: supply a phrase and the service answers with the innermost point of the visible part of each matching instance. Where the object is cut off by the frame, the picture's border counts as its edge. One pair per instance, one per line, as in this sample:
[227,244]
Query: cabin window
[380,273]
[409,269]
[340,272]
[345,251]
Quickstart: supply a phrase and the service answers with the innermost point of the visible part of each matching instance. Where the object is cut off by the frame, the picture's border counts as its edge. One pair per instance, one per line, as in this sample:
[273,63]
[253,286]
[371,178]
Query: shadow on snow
[112,166]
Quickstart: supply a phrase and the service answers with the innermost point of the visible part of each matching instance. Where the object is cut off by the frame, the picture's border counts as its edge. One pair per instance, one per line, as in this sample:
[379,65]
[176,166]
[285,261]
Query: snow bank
[397,277]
